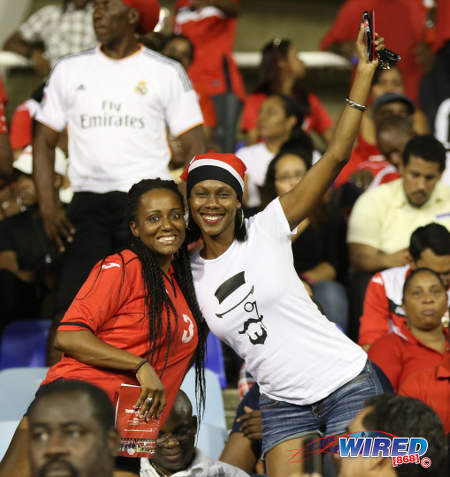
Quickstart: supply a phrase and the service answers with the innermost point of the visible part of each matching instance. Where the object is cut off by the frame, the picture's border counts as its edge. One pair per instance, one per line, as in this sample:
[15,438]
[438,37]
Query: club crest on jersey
[141,88]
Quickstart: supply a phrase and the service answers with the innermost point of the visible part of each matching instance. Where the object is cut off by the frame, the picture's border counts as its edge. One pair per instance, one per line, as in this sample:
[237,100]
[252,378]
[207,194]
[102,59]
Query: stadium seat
[214,359]
[213,432]
[17,389]
[24,344]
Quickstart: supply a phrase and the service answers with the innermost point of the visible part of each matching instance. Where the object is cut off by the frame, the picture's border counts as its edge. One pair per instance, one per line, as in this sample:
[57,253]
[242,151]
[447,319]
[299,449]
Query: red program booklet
[137,437]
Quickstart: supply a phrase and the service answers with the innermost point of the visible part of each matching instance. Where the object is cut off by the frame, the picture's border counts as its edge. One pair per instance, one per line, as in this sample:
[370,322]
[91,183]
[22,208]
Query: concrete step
[230,403]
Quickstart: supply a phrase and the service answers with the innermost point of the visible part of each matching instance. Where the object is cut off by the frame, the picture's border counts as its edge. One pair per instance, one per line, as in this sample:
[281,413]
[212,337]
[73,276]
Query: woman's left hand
[152,400]
[361,48]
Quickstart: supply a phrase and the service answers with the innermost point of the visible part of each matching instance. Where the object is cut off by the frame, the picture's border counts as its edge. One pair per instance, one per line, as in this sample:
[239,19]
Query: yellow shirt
[384,219]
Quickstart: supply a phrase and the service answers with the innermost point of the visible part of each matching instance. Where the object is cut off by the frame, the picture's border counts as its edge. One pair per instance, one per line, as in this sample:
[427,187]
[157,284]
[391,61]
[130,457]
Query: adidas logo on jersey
[81,87]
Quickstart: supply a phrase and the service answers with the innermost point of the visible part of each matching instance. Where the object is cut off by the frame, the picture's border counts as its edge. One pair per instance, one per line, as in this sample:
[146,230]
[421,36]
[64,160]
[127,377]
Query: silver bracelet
[353,104]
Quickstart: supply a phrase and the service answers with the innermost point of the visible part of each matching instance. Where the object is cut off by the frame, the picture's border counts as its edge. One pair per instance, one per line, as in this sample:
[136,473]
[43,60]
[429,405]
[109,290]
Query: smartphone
[368,19]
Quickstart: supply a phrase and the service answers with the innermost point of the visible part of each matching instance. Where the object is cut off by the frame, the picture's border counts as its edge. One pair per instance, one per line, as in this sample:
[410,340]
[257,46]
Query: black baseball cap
[392,98]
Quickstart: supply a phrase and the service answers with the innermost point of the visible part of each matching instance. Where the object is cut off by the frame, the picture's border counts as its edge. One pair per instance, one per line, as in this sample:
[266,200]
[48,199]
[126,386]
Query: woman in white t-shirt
[313,379]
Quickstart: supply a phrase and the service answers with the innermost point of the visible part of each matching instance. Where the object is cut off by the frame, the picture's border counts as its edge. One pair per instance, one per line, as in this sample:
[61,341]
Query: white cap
[24,163]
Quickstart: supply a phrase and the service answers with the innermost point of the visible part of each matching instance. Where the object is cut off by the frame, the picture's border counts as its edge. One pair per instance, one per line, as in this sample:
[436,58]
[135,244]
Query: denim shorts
[283,421]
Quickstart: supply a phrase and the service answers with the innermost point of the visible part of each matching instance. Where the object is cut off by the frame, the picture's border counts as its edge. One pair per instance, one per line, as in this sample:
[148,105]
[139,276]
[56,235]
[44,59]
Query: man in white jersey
[116,100]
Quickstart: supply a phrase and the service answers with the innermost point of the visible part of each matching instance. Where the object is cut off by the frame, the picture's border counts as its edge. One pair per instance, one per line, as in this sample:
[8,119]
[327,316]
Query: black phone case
[368,20]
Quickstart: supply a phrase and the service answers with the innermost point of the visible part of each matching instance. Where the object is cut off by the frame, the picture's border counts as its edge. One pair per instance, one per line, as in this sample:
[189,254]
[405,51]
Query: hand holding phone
[368,19]
[388,58]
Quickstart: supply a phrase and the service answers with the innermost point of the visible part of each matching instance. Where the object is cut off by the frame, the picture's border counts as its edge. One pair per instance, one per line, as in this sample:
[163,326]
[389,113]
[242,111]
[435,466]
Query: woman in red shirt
[136,319]
[421,342]
[281,72]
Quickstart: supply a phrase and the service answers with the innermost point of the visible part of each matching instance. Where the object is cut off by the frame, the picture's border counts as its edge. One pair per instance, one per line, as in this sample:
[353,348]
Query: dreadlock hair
[156,298]
[269,73]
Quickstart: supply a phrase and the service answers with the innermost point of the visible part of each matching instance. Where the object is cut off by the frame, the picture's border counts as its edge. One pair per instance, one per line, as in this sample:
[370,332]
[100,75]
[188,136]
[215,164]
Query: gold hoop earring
[242,218]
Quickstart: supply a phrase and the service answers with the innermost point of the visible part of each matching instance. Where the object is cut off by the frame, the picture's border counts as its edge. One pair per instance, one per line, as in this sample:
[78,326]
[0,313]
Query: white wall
[12,13]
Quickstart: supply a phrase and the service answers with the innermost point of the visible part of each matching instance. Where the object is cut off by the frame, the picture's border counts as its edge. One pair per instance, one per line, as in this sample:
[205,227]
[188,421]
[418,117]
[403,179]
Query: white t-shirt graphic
[117,112]
[252,299]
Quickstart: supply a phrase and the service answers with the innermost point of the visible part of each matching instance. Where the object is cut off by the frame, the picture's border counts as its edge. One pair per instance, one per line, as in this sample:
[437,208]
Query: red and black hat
[226,168]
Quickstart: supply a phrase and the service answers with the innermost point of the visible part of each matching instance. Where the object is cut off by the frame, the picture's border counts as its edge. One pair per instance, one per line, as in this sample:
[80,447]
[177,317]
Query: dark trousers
[19,299]
[101,225]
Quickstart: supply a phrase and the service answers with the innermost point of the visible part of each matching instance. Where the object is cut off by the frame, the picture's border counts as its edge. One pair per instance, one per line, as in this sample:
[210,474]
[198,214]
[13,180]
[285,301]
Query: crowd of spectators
[374,254]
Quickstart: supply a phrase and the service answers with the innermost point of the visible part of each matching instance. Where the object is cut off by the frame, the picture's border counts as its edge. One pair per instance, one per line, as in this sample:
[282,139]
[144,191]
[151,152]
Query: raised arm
[299,202]
[57,225]
[17,44]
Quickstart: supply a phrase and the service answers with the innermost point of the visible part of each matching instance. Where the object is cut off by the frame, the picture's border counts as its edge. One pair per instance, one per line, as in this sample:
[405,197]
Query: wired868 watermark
[402,450]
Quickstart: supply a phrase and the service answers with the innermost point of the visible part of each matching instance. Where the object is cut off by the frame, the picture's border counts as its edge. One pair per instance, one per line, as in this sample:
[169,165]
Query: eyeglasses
[181,435]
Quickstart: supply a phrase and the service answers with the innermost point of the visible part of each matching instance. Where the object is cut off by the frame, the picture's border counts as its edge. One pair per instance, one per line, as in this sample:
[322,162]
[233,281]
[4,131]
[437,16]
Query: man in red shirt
[429,247]
[211,26]
[5,148]
[181,48]
[400,22]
